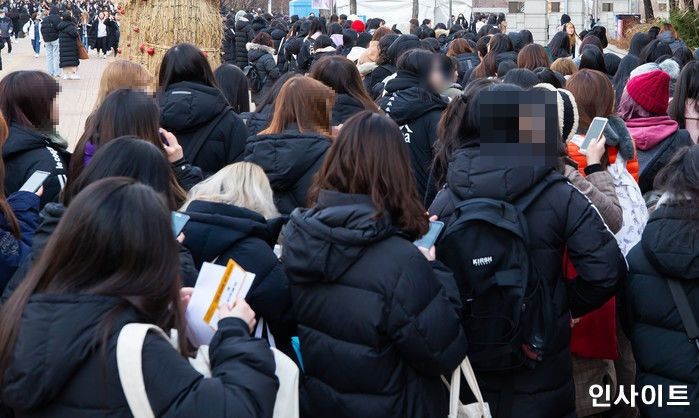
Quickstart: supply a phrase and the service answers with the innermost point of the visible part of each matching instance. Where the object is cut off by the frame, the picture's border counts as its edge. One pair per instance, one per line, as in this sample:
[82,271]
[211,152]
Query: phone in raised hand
[594,133]
[35,181]
[428,240]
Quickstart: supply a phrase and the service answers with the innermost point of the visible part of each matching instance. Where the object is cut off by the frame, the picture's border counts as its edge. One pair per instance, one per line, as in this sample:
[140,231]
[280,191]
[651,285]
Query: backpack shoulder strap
[201,137]
[129,363]
[689,321]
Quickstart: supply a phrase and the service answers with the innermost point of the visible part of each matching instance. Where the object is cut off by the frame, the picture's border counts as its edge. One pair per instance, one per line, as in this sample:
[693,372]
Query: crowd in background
[63,28]
[360,135]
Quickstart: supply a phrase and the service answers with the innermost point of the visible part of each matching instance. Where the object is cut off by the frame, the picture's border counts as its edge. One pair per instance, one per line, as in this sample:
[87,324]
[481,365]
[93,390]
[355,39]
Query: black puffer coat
[378,323]
[262,57]
[59,367]
[228,43]
[243,35]
[27,151]
[68,49]
[669,248]
[290,160]
[50,217]
[190,110]
[345,107]
[49,26]
[258,120]
[467,62]
[560,218]
[222,232]
[417,111]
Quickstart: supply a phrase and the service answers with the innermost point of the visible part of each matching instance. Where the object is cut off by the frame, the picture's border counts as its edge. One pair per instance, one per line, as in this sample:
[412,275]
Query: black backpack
[507,312]
[255,81]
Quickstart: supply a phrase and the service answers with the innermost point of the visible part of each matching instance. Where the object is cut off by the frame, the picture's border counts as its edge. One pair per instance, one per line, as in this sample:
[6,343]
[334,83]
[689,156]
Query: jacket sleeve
[271,69]
[269,296]
[599,188]
[237,137]
[595,254]
[423,321]
[304,57]
[443,206]
[242,382]
[188,175]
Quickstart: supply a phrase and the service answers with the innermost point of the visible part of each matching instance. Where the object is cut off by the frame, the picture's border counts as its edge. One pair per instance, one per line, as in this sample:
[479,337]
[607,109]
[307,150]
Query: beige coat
[599,188]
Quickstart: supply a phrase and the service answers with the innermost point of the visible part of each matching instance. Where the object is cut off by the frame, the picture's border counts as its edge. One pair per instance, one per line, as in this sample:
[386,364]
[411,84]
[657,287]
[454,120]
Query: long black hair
[115,239]
[680,177]
[234,85]
[592,58]
[559,45]
[687,88]
[459,126]
[185,62]
[654,50]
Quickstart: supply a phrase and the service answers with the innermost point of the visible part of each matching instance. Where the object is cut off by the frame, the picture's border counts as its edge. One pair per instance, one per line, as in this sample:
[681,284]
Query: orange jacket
[575,154]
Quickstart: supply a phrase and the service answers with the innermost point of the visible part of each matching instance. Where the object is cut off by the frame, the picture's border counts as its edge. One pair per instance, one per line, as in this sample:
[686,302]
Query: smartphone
[594,133]
[35,181]
[179,220]
[428,240]
[163,139]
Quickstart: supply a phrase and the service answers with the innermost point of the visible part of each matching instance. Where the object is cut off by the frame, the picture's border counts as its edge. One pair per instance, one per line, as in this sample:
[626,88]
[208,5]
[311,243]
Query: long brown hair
[533,56]
[124,112]
[305,102]
[457,47]
[594,94]
[340,74]
[123,74]
[5,208]
[99,248]
[369,157]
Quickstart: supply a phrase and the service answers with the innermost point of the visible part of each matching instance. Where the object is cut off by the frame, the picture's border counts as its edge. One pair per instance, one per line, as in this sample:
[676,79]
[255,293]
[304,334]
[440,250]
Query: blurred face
[436,79]
[54,112]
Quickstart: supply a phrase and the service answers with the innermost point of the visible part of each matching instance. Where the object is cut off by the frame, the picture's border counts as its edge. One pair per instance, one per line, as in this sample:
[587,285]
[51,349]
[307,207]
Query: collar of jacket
[251,46]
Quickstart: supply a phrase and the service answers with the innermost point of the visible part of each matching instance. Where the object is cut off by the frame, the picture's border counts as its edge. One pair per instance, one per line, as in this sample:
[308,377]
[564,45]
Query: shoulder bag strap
[689,321]
[129,363]
[202,136]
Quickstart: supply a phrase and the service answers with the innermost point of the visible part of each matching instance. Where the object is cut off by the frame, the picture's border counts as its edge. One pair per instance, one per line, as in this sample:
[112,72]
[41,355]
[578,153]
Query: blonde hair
[564,66]
[122,74]
[241,184]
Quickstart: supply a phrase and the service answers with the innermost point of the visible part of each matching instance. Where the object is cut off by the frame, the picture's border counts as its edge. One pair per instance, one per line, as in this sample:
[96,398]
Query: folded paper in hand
[216,285]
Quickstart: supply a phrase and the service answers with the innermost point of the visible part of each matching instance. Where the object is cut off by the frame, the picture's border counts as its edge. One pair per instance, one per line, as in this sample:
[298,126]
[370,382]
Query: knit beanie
[568,117]
[358,26]
[651,91]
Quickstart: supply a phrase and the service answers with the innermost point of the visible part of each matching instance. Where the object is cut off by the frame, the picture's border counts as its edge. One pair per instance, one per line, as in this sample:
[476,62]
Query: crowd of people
[62,28]
[314,157]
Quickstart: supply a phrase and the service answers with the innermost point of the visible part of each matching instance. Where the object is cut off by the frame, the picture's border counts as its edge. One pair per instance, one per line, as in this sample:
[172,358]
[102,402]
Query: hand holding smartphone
[429,239]
[35,181]
[594,133]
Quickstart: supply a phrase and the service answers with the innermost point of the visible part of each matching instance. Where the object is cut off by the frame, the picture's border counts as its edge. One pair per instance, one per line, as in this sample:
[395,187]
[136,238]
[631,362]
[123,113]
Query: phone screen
[594,132]
[428,240]
[35,181]
[179,220]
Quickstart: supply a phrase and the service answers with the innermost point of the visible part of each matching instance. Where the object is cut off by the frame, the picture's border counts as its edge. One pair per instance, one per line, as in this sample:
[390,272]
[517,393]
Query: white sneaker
[65,76]
[75,76]
[36,55]
[104,56]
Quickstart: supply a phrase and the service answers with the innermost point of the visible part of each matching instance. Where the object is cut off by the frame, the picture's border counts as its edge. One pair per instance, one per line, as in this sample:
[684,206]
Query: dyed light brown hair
[457,47]
[533,56]
[305,102]
[564,66]
[122,74]
[594,94]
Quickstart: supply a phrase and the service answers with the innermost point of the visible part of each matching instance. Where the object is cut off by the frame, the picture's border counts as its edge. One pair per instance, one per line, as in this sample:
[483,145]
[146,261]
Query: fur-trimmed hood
[252,46]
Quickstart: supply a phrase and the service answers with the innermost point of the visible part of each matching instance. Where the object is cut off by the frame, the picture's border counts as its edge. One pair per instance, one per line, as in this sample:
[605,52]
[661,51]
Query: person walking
[49,32]
[33,30]
[6,29]
[99,33]
[68,37]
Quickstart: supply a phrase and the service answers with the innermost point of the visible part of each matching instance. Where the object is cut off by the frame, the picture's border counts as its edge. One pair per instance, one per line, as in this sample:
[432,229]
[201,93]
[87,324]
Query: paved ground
[77,97]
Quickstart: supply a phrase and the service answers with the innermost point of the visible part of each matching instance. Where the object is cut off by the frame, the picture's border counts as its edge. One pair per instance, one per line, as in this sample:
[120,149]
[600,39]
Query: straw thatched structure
[150,27]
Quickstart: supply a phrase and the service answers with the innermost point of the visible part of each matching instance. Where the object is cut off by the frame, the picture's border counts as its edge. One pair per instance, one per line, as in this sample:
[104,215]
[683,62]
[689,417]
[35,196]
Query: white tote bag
[478,409]
[129,363]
